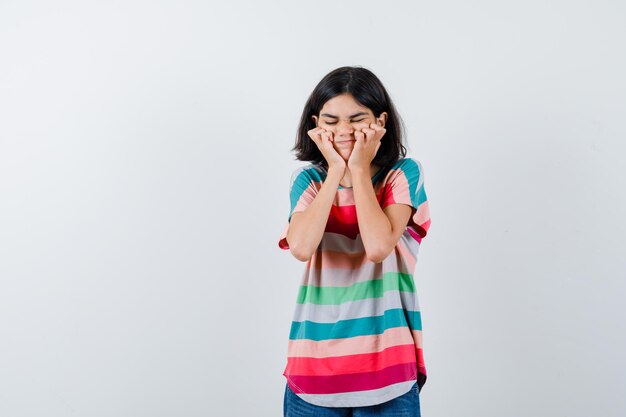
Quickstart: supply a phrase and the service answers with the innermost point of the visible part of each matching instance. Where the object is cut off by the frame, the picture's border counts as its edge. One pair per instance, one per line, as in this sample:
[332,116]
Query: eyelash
[334,123]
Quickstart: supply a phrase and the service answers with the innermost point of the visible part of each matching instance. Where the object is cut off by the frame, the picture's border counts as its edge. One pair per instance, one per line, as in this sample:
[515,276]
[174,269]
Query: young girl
[358,215]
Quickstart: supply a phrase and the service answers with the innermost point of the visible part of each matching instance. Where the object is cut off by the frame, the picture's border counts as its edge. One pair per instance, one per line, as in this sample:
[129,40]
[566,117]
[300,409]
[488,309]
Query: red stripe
[352,382]
[342,220]
[346,364]
[420,357]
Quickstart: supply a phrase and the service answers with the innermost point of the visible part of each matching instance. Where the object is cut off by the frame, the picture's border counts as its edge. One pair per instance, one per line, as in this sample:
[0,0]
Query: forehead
[343,105]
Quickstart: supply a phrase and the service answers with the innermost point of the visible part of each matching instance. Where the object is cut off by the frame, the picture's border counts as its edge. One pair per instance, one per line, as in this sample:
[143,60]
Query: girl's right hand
[324,140]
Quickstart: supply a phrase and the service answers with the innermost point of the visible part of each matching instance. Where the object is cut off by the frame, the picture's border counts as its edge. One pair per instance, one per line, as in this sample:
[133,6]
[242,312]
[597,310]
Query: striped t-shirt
[356,334]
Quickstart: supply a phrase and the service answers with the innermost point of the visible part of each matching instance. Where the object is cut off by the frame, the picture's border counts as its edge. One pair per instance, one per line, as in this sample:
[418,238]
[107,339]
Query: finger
[315,134]
[328,136]
[377,127]
[369,133]
[358,135]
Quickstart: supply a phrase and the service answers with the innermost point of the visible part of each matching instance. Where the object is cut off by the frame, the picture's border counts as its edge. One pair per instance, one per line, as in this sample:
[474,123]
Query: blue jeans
[406,405]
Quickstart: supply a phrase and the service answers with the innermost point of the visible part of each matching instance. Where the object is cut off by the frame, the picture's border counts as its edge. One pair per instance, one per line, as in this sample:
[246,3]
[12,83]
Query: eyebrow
[352,117]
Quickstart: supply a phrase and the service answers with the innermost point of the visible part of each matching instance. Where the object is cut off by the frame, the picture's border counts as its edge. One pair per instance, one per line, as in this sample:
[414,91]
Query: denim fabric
[406,405]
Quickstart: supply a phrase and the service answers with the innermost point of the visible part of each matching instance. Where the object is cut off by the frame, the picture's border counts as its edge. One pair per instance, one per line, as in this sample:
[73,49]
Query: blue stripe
[411,171]
[300,184]
[363,326]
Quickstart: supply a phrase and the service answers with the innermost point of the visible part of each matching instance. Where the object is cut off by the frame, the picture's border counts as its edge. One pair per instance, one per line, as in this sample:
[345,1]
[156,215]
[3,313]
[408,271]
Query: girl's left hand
[366,146]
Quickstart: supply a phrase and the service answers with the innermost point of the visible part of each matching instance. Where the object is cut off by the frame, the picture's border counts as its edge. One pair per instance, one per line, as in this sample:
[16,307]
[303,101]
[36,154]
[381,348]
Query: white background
[144,173]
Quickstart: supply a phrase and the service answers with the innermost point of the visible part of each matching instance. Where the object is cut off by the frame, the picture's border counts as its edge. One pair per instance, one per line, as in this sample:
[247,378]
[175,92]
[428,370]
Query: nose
[344,127]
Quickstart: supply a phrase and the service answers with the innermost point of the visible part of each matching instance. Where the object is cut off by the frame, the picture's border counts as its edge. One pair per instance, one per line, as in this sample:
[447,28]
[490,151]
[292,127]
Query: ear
[382,119]
[315,120]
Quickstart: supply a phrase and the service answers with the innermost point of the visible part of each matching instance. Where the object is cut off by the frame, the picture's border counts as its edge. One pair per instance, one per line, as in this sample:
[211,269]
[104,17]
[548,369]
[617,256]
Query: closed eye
[334,123]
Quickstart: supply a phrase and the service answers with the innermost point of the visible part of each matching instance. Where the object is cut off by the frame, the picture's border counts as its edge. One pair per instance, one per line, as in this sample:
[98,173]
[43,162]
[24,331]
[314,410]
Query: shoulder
[407,167]
[408,163]
[308,173]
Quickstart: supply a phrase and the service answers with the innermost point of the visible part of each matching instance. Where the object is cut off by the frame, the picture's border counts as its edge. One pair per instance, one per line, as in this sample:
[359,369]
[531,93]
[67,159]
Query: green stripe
[363,326]
[357,291]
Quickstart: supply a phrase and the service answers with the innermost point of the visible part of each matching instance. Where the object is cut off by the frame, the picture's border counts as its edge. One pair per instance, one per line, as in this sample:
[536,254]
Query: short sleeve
[406,186]
[302,191]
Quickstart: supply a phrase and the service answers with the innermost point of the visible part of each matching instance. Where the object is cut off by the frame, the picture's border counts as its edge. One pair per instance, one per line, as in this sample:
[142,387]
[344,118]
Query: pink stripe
[422,216]
[397,190]
[353,345]
[353,382]
[417,335]
[408,259]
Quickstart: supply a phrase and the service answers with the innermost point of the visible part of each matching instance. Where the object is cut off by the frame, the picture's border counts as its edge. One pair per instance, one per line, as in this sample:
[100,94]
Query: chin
[344,152]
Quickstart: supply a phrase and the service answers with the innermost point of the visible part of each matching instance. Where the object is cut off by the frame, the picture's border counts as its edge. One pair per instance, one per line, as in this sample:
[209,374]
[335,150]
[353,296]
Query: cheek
[330,128]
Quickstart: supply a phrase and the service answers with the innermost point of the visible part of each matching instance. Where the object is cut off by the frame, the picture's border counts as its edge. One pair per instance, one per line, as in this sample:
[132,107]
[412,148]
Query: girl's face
[342,115]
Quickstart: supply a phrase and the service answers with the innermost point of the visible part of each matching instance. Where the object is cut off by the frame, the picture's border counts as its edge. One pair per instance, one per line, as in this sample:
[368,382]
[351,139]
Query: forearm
[307,229]
[374,226]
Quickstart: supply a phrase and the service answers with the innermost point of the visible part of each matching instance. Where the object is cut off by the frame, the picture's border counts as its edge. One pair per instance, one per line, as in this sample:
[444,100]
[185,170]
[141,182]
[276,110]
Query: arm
[380,229]
[306,228]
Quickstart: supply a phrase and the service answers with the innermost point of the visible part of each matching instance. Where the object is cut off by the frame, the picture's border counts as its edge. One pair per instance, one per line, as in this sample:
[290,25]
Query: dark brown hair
[368,91]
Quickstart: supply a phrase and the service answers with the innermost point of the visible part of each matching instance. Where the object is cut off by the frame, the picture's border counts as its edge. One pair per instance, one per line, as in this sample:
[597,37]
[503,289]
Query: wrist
[336,169]
[359,171]
[335,173]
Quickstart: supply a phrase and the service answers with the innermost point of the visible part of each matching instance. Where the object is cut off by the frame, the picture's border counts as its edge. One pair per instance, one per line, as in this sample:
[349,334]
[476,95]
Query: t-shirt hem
[364,402]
